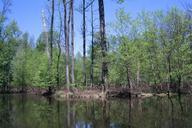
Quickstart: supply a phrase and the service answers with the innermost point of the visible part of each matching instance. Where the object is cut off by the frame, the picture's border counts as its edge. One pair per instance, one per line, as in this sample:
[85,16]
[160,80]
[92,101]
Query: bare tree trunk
[92,45]
[51,30]
[84,44]
[66,43]
[59,47]
[169,71]
[138,73]
[72,42]
[68,39]
[51,43]
[103,44]
[46,36]
[128,78]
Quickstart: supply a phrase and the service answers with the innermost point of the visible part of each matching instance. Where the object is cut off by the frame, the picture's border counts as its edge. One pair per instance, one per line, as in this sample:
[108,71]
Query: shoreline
[90,93]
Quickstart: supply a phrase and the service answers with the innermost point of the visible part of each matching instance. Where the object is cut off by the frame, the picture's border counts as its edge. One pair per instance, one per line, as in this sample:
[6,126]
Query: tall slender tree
[66,42]
[51,30]
[92,45]
[45,33]
[72,42]
[103,44]
[59,45]
[84,43]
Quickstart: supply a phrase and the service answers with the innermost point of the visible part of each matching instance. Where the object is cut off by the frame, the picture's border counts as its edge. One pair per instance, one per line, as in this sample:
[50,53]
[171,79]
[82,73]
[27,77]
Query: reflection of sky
[27,13]
[83,124]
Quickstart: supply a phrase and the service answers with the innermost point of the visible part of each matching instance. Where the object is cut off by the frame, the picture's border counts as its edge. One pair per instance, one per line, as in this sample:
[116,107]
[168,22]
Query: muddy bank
[26,90]
[97,94]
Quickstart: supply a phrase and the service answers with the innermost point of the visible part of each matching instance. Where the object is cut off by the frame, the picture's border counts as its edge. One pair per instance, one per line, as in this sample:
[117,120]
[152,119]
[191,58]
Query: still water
[17,111]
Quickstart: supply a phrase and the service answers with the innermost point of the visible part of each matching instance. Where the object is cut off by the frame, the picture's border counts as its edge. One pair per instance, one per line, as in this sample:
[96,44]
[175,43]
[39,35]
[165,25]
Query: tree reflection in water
[17,111]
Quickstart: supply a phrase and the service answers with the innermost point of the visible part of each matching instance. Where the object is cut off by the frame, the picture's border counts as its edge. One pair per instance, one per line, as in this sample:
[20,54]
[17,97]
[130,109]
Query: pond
[28,111]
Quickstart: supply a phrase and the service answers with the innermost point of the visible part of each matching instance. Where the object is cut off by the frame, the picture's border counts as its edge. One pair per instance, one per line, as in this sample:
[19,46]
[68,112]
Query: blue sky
[27,13]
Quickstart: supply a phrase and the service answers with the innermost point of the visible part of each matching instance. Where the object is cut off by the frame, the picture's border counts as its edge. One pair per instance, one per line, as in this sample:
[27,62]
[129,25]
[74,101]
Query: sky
[27,13]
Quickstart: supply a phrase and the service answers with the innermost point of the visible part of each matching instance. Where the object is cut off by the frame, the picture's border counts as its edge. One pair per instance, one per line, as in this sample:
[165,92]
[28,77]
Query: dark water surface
[17,111]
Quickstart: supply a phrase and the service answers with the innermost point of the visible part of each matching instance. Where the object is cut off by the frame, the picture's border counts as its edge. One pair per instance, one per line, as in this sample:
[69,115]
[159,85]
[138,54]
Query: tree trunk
[51,30]
[92,45]
[66,43]
[68,40]
[169,71]
[59,47]
[128,78]
[84,44]
[179,84]
[72,42]
[103,44]
[46,36]
[138,73]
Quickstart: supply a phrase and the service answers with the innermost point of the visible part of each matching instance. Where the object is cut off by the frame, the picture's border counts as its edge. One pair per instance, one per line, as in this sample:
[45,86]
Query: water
[17,111]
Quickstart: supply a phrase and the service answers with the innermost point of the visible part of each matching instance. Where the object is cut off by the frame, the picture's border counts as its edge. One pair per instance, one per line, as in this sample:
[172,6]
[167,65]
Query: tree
[59,45]
[66,30]
[51,29]
[9,32]
[103,44]
[72,42]
[84,43]
[92,46]
[20,70]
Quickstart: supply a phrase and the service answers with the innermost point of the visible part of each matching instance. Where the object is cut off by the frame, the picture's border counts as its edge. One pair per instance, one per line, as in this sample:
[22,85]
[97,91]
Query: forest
[151,52]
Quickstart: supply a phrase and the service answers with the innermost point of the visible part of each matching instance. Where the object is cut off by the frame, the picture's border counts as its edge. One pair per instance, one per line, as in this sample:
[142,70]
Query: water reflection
[17,111]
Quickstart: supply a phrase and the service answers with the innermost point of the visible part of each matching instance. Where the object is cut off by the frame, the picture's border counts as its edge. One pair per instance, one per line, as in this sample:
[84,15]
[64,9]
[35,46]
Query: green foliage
[146,44]
[8,45]
[153,48]
[33,67]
